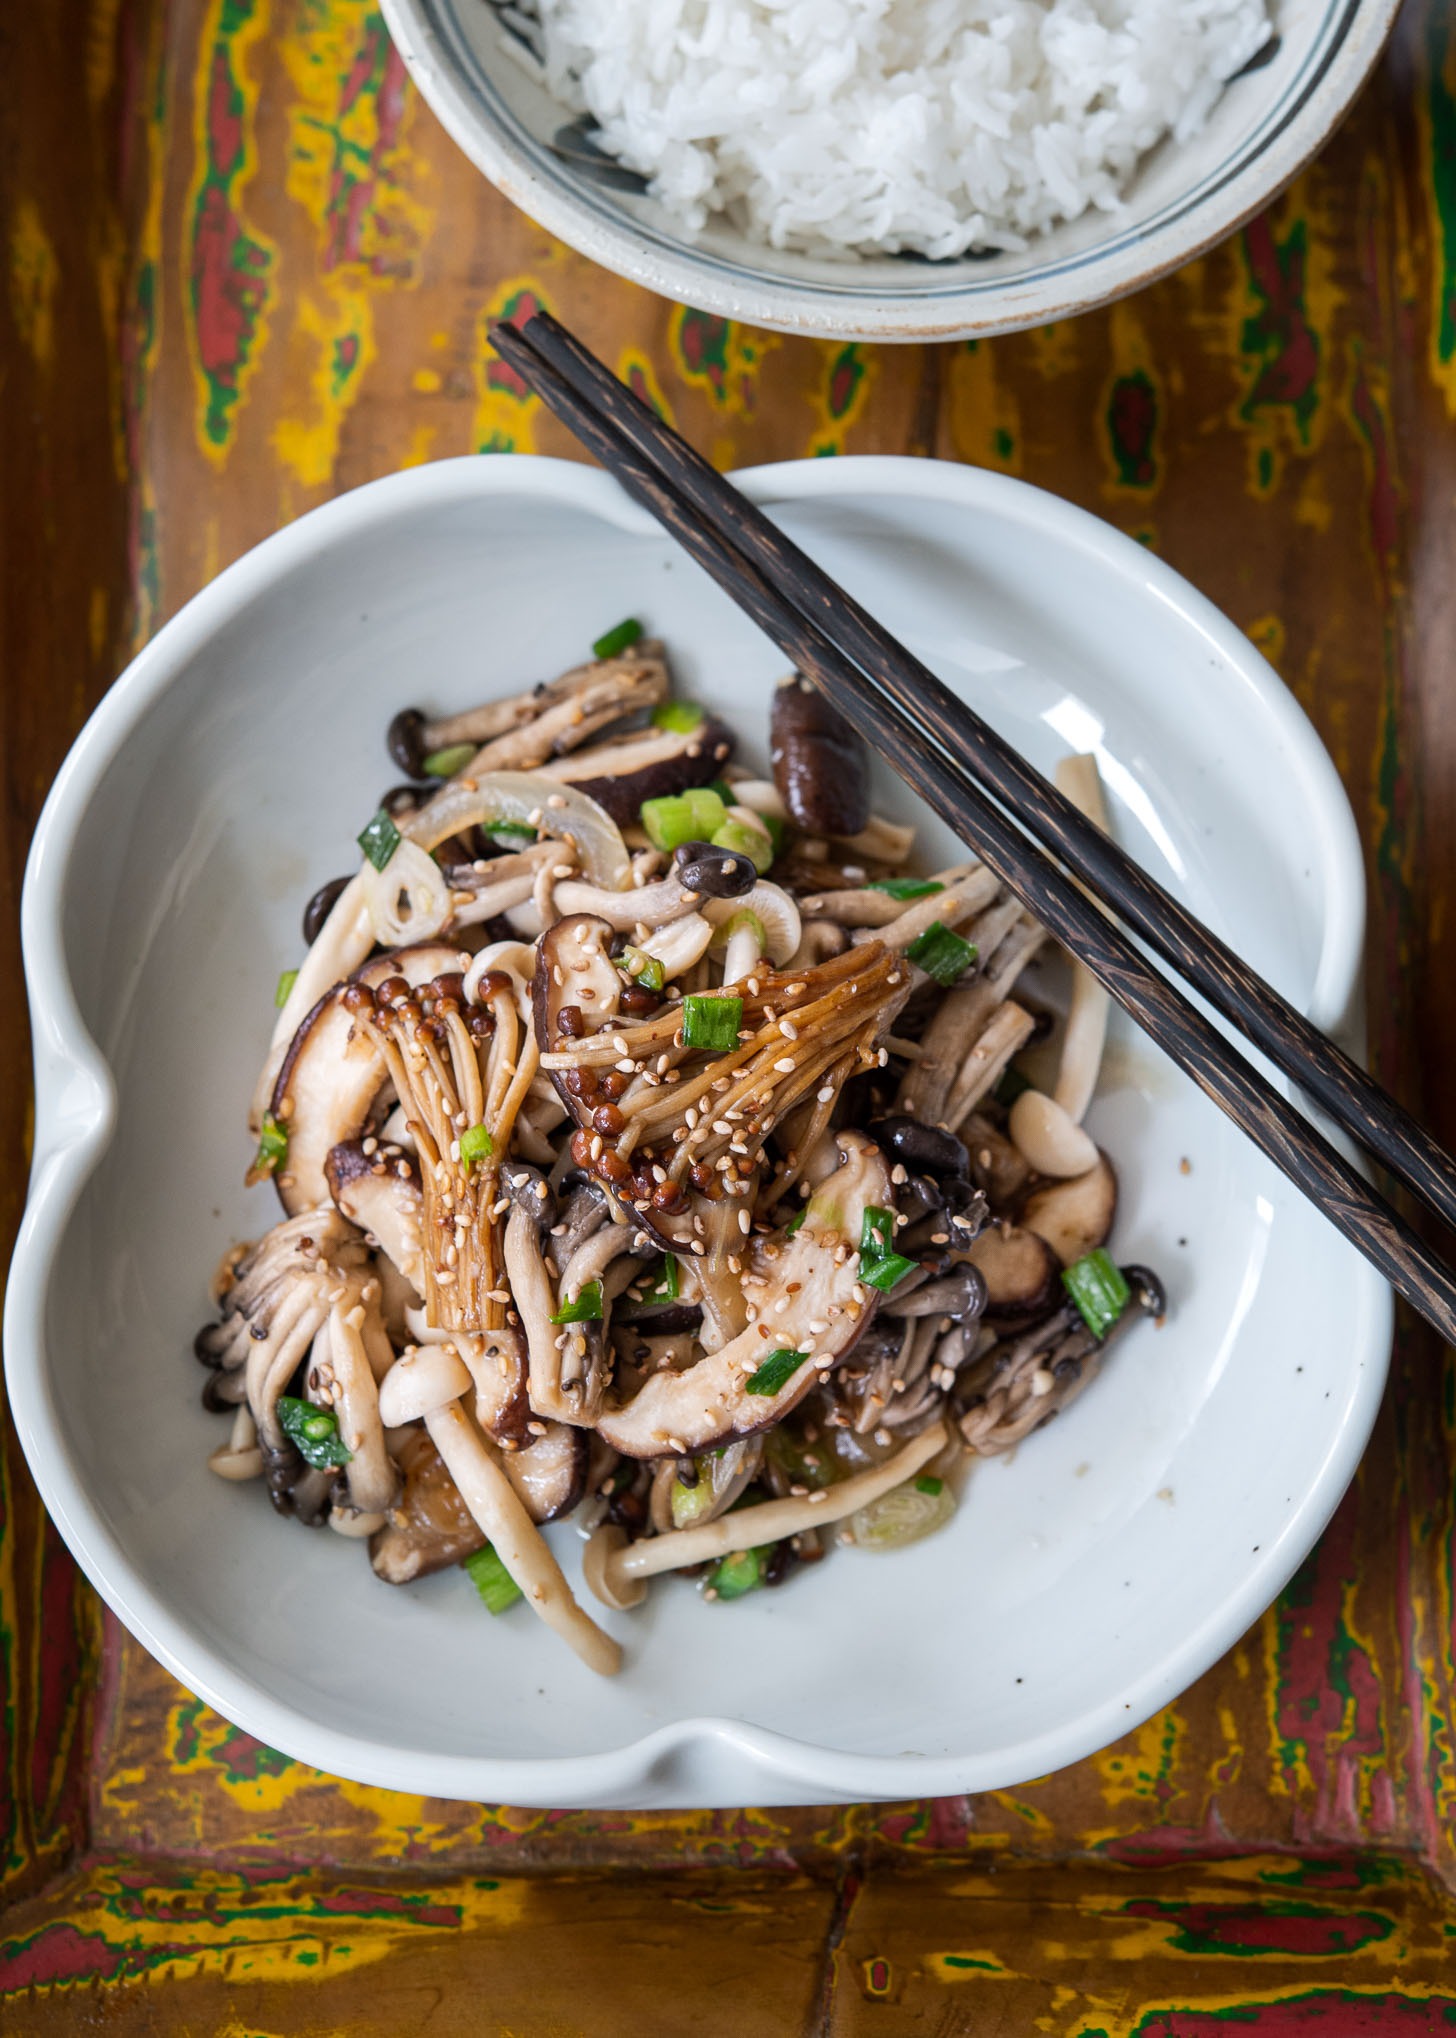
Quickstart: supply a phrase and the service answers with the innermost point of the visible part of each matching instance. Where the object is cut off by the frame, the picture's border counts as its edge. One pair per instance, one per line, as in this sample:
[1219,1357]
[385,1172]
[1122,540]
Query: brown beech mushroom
[522,731]
[1023,1275]
[1022,1382]
[820,763]
[1074,1216]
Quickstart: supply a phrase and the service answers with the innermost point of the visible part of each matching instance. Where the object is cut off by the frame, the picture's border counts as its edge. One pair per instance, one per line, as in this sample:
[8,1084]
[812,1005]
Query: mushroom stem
[1087,1015]
[516,1540]
[769,1522]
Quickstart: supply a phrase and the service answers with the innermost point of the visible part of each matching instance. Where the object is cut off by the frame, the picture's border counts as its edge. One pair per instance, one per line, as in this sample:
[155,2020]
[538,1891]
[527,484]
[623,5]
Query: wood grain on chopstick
[1336,1083]
[1276,1127]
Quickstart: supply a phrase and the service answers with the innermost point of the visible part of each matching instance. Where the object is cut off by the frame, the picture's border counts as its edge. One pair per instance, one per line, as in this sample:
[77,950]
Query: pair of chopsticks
[1017,822]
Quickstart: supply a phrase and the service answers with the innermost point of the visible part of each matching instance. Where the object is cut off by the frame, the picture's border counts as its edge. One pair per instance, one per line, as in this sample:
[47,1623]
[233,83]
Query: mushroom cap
[421,1380]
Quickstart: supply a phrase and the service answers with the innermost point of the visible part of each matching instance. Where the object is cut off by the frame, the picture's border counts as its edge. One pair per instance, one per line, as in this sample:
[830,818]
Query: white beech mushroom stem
[1048,1129]
[514,1537]
[769,1522]
[1087,1015]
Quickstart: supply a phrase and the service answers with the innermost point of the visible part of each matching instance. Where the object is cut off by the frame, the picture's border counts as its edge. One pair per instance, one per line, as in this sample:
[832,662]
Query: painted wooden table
[244,270]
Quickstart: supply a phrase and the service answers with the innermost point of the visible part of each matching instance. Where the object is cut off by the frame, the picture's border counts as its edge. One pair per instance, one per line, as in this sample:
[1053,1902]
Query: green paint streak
[965,1960]
[1264,466]
[1002,443]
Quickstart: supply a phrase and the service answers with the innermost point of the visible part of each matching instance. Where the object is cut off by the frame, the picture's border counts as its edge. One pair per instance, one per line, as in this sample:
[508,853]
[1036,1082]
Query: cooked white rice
[879,125]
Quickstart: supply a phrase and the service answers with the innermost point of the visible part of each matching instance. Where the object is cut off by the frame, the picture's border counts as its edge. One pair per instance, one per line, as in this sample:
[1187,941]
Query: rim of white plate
[75,1113]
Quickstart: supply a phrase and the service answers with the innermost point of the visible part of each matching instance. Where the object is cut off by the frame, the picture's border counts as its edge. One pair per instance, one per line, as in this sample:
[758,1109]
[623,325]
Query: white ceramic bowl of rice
[890,169]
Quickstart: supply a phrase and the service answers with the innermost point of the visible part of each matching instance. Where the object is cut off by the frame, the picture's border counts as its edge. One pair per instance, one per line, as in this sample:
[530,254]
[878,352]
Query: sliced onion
[902,1516]
[528,797]
[408,900]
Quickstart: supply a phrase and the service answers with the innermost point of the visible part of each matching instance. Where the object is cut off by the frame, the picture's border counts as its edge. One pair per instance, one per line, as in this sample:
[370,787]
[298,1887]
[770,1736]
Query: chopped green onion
[712,1022]
[1096,1285]
[618,639]
[746,839]
[272,1146]
[743,1572]
[379,840]
[906,887]
[445,763]
[508,834]
[492,1580]
[776,1371]
[688,1502]
[777,831]
[315,1431]
[668,1284]
[1012,1085]
[928,1484]
[693,816]
[586,1307]
[795,1223]
[679,716]
[285,984]
[725,792]
[643,968]
[880,1266]
[941,954]
[476,1145]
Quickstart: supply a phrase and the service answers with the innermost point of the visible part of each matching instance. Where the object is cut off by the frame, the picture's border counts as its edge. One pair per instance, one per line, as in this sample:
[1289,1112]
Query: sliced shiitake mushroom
[429,1527]
[646,765]
[330,1078]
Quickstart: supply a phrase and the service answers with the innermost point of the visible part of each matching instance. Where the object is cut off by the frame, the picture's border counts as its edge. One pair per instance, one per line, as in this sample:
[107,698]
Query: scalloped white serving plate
[1082,1584]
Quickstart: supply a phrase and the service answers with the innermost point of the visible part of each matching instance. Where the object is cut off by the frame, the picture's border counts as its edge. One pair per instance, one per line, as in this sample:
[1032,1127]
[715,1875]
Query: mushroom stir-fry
[651,1149]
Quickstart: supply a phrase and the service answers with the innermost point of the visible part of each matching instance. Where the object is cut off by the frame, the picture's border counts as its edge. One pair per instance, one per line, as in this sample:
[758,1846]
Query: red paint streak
[228,300]
[1254,1927]
[1334,2013]
[1133,421]
[224,125]
[1208,1842]
[1291,367]
[386,1903]
[1336,1728]
[360,71]
[497,374]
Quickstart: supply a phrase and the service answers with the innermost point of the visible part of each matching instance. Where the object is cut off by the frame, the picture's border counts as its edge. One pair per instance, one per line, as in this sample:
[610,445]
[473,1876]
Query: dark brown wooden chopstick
[1301,1152]
[1338,1085]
